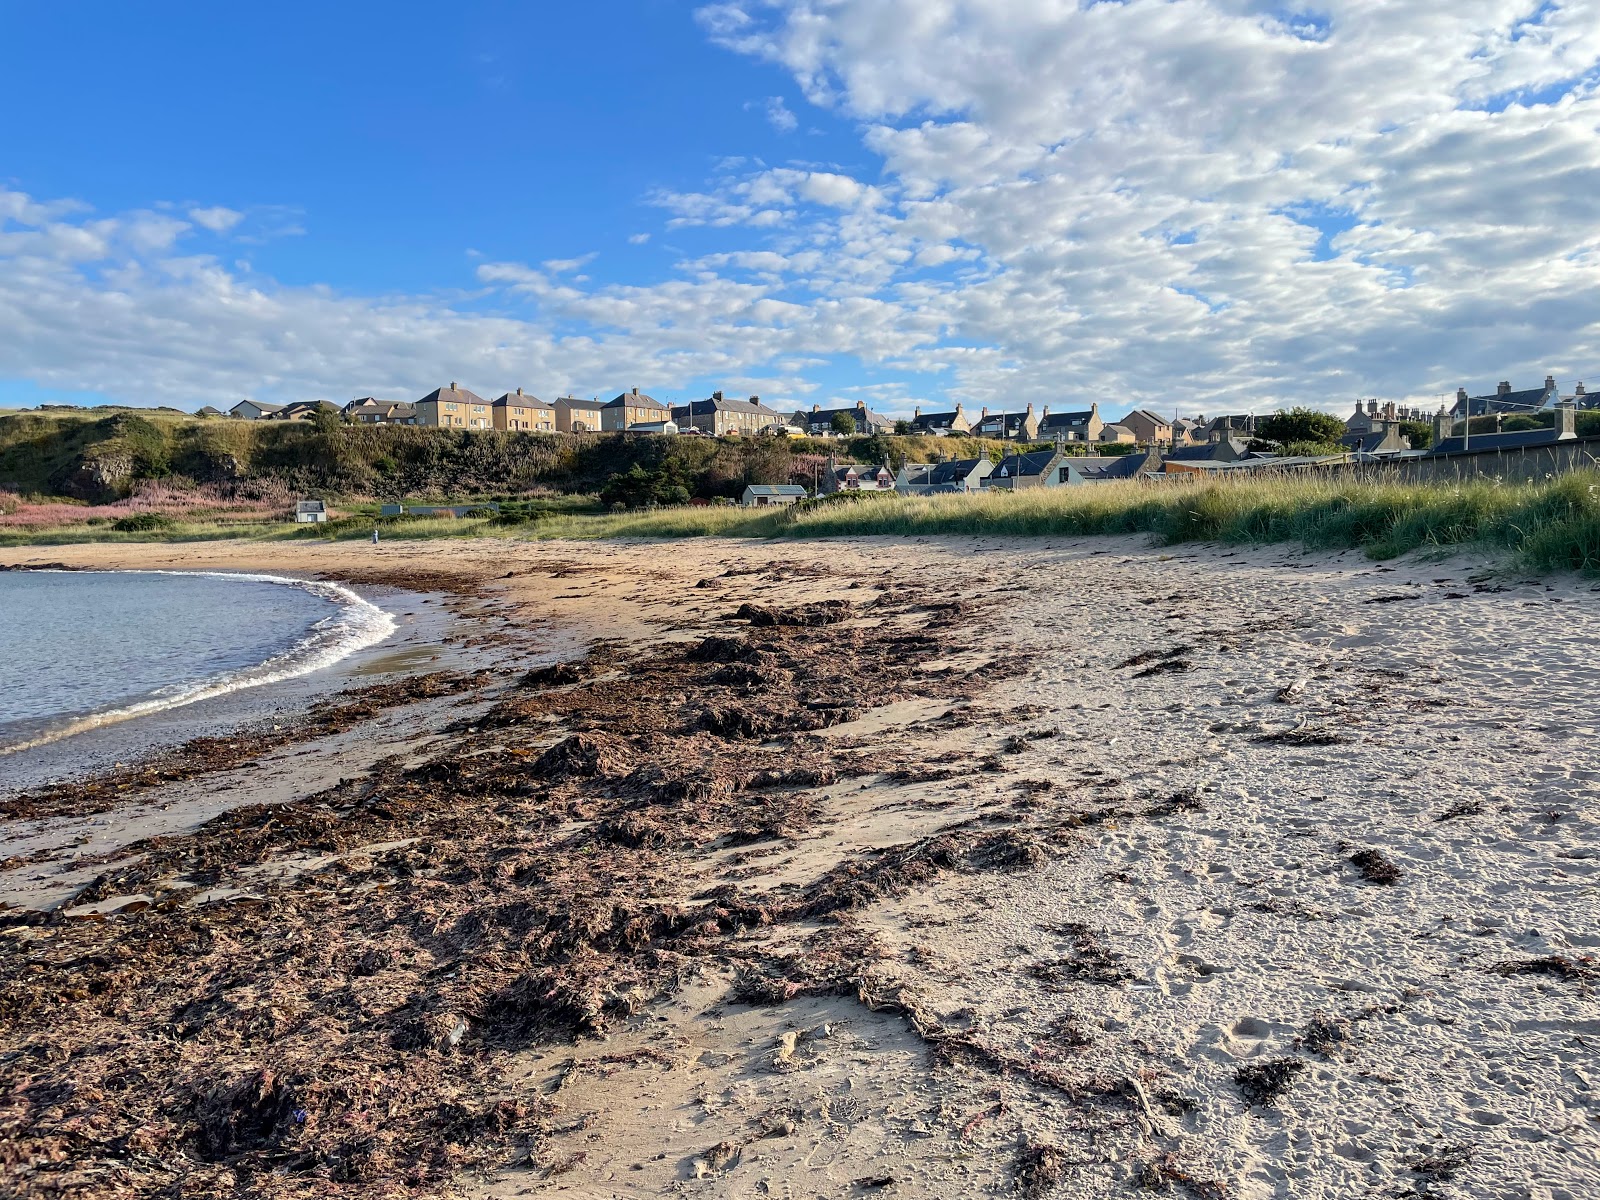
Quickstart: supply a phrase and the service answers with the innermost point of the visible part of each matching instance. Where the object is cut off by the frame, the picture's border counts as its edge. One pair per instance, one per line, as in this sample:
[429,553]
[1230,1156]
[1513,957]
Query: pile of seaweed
[351,1029]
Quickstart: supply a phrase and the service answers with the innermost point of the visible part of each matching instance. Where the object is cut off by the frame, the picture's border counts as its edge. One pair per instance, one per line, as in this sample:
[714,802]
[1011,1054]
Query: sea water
[83,649]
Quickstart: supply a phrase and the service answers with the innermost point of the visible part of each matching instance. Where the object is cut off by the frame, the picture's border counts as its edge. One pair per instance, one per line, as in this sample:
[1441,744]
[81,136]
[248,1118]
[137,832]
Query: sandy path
[1435,714]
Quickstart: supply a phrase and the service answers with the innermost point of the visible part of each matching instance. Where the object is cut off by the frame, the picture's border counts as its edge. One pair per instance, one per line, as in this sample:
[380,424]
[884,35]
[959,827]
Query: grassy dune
[1553,525]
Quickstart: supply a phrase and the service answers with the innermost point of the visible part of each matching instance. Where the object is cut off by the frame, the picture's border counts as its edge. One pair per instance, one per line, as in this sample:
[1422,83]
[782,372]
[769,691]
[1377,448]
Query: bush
[142,523]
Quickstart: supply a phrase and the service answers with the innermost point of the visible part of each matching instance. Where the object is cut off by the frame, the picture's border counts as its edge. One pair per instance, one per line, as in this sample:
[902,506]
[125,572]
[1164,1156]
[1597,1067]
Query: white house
[310,512]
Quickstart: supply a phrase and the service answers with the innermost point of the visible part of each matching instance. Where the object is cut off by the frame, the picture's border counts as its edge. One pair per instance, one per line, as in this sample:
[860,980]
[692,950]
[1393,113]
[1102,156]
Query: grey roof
[775,489]
[823,416]
[955,472]
[938,420]
[1013,421]
[696,408]
[1125,466]
[453,395]
[1209,451]
[1526,401]
[1123,428]
[1497,441]
[309,506]
[1065,420]
[1023,466]
[526,400]
[1153,418]
[635,400]
[575,402]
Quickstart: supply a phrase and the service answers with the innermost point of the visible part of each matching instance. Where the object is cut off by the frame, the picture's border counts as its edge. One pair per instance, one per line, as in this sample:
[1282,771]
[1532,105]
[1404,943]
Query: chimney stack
[716,395]
[916,413]
[983,412]
[452,385]
[1461,395]
[816,408]
[1549,383]
[1504,389]
[1578,391]
[519,391]
[1566,419]
[635,391]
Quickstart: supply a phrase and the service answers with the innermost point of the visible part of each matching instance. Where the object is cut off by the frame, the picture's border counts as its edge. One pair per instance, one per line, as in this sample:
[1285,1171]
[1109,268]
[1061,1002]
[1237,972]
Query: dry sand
[1294,824]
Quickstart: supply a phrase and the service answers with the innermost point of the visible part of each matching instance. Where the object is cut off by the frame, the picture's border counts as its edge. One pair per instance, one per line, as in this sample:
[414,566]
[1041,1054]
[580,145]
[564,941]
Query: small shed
[762,495]
[310,512]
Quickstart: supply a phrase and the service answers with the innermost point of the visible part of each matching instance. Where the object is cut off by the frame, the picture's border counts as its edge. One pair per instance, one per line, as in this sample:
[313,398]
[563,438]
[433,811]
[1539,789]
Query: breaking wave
[355,625]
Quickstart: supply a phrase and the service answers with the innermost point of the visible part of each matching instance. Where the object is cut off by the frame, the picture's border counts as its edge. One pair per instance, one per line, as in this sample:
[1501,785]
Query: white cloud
[217,219]
[638,239]
[1194,204]
[779,116]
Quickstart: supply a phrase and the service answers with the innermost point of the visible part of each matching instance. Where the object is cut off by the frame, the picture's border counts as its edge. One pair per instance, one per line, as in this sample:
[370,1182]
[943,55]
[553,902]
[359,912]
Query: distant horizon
[1184,207]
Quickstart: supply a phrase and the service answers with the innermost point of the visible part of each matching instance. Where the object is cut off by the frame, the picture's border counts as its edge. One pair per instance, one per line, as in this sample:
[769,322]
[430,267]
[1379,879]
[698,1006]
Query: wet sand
[929,868]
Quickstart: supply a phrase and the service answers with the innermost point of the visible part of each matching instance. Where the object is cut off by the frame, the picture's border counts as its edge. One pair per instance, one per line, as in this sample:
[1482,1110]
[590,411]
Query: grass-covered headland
[1550,525]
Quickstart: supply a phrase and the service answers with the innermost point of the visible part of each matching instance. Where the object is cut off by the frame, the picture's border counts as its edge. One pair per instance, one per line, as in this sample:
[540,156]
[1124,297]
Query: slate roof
[953,472]
[635,400]
[574,402]
[525,400]
[1210,451]
[938,420]
[775,489]
[699,408]
[1496,441]
[824,416]
[452,395]
[1526,401]
[1124,467]
[1065,420]
[1153,418]
[1023,466]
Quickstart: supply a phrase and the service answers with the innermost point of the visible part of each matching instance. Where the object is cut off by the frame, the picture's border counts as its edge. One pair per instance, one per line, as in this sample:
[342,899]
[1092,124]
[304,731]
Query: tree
[1300,425]
[843,424]
[1420,433]
[902,427]
[326,420]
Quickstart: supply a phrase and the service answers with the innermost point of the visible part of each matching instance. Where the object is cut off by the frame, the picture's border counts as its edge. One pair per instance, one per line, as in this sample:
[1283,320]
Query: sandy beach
[921,868]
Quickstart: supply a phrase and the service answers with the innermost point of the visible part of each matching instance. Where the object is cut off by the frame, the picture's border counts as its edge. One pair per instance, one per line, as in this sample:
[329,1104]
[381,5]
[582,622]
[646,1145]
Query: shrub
[147,522]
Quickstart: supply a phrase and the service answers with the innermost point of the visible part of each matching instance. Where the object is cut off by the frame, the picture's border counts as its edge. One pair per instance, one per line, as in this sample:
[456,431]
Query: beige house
[577,416]
[1117,435]
[940,423]
[519,411]
[632,408]
[1082,425]
[454,408]
[1148,427]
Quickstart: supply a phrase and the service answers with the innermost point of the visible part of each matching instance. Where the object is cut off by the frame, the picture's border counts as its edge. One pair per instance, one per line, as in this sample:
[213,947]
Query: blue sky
[1189,204]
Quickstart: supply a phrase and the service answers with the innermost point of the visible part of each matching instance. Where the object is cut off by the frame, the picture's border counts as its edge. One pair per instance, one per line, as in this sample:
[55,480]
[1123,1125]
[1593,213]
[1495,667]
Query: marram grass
[1551,525]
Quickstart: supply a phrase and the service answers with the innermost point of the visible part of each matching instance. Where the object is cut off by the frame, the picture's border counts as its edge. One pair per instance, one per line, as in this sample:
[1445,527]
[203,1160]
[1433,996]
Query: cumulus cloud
[217,219]
[1183,204]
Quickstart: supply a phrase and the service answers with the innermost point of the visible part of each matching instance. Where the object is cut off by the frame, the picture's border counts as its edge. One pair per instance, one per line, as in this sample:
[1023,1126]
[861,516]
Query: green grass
[1548,526]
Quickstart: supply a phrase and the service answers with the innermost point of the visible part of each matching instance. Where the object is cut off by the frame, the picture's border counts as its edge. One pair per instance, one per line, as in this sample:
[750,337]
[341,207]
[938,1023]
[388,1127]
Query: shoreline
[967,864]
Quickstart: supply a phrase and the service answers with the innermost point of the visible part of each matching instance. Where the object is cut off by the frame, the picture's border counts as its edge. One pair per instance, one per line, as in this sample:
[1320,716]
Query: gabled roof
[1125,466]
[260,404]
[574,402]
[520,400]
[822,416]
[1147,415]
[1023,466]
[452,395]
[775,489]
[1526,401]
[957,471]
[635,400]
[713,404]
[1065,420]
[938,420]
[1211,451]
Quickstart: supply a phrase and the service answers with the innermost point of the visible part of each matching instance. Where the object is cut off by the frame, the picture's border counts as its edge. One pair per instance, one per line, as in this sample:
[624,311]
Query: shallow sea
[80,650]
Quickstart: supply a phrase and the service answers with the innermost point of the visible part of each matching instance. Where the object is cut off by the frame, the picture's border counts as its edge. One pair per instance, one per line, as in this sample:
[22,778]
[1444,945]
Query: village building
[854,477]
[720,416]
[310,512]
[1014,426]
[253,410]
[1583,401]
[1039,468]
[521,411]
[1449,438]
[303,410]
[1148,427]
[577,416]
[454,408]
[1186,431]
[820,420]
[1505,401]
[1117,434]
[1225,451]
[1079,425]
[631,409]
[1386,439]
[1137,465]
[371,411]
[940,424]
[208,412]
[1240,426]
[763,495]
[958,475]
[1375,418]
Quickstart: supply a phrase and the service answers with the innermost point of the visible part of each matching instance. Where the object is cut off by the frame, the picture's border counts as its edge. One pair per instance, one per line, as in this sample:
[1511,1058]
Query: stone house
[369,410]
[720,416]
[1011,426]
[520,411]
[1507,402]
[1040,468]
[1117,434]
[958,475]
[577,416]
[1079,425]
[632,408]
[820,420]
[1148,427]
[454,408]
[940,424]
[853,477]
